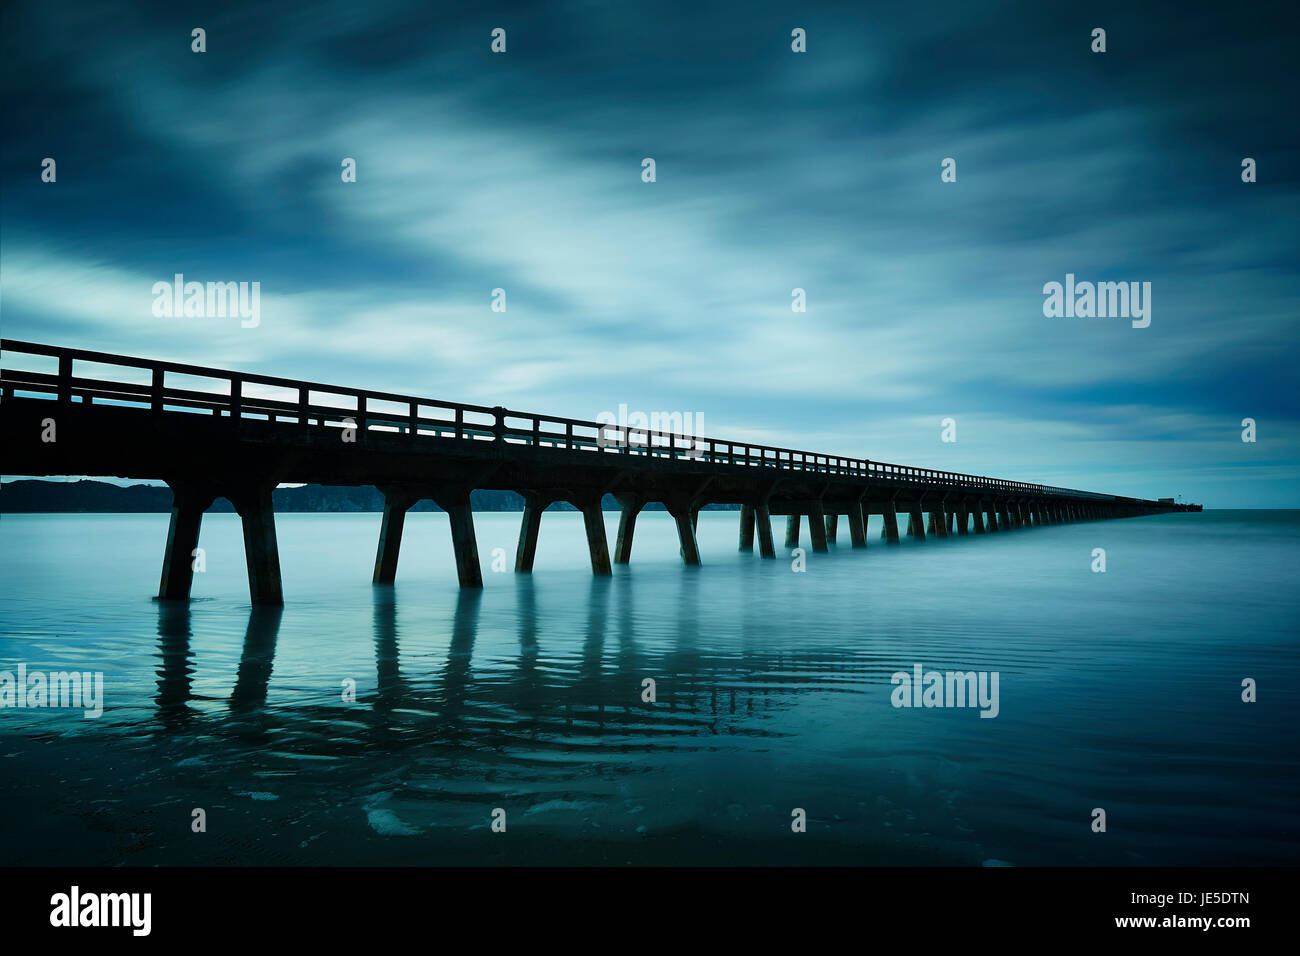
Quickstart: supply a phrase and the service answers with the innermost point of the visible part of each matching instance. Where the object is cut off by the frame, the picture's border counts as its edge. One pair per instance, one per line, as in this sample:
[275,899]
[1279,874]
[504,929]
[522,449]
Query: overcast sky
[775,170]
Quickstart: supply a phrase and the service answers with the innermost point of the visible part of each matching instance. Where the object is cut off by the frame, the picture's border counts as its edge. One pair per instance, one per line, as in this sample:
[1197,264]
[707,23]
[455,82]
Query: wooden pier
[238,435]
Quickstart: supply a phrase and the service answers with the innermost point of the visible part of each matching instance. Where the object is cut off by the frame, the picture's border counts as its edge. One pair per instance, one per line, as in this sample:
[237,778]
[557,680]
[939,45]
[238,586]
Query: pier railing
[179,387]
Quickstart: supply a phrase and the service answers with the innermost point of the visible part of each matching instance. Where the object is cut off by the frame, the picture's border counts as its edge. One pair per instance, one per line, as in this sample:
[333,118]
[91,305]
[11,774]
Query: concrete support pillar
[632,505]
[593,519]
[747,527]
[763,522]
[188,504]
[977,517]
[817,527]
[857,526]
[455,501]
[463,542]
[890,522]
[832,527]
[940,520]
[963,518]
[992,513]
[396,505]
[916,523]
[690,548]
[1004,516]
[531,523]
[261,551]
[792,531]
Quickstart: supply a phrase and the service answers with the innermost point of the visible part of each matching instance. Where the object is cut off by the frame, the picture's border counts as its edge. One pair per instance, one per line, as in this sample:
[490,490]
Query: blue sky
[775,170]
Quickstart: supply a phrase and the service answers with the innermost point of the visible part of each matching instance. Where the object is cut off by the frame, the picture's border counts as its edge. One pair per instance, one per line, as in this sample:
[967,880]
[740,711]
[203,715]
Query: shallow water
[1119,690]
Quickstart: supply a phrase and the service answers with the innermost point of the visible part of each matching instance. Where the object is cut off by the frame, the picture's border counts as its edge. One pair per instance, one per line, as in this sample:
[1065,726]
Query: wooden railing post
[65,379]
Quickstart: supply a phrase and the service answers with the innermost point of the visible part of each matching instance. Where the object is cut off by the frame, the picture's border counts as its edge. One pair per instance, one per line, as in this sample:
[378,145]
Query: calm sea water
[1119,690]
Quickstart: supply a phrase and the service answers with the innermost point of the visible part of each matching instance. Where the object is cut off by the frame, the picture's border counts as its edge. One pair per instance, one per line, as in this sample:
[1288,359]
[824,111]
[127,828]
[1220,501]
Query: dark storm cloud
[775,171]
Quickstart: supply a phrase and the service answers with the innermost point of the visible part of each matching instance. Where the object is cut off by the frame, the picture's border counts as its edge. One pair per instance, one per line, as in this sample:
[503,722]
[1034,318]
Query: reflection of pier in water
[532,702]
